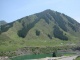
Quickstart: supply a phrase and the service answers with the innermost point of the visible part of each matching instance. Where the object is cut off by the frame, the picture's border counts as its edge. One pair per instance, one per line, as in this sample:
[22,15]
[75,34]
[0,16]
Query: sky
[11,10]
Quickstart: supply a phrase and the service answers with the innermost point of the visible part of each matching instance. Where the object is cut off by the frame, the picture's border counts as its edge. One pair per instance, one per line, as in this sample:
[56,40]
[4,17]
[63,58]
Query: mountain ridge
[66,26]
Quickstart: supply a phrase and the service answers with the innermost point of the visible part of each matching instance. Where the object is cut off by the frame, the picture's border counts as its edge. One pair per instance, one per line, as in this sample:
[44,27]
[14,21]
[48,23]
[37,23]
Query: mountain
[37,29]
[2,22]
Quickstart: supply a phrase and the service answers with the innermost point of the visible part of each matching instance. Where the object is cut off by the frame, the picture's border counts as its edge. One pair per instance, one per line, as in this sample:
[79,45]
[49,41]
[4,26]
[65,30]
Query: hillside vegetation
[47,28]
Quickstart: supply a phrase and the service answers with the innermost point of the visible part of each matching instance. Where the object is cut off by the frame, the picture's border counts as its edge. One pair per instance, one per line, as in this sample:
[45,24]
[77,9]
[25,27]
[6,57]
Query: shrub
[37,32]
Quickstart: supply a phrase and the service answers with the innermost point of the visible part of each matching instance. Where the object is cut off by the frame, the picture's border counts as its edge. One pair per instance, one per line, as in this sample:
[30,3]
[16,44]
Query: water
[27,57]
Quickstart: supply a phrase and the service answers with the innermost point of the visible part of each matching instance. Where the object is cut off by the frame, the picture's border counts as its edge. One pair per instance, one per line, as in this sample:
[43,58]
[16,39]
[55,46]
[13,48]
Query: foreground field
[78,58]
[16,44]
[9,48]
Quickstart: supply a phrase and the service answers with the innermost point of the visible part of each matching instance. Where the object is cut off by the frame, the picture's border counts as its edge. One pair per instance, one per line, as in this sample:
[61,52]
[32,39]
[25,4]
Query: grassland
[78,58]
[16,44]
[7,47]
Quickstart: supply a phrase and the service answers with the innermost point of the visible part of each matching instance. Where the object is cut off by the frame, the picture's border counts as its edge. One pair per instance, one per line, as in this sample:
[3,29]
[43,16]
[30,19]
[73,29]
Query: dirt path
[4,58]
[69,58]
[59,58]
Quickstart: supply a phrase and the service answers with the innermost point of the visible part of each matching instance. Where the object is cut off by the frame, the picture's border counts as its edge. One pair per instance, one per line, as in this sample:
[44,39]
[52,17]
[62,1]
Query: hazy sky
[11,10]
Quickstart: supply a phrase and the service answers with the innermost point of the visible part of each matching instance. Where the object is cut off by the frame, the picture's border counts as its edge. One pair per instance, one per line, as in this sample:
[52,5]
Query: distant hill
[2,22]
[37,29]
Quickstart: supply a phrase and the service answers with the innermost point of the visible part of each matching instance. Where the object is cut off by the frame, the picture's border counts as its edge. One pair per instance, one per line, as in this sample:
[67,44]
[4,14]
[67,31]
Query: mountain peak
[48,10]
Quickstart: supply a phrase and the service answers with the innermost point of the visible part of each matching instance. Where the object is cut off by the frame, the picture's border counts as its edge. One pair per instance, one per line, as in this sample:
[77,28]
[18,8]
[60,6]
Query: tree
[54,54]
[37,32]
[50,36]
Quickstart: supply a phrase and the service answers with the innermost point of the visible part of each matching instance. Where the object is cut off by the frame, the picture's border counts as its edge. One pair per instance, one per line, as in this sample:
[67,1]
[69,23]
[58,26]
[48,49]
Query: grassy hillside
[78,58]
[47,28]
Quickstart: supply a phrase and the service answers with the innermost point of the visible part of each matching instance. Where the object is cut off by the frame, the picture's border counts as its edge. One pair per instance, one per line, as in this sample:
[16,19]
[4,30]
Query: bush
[37,32]
[54,54]
[50,36]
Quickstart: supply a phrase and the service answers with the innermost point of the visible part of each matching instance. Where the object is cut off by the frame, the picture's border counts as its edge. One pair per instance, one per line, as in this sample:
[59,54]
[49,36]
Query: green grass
[69,54]
[78,58]
[11,46]
[16,44]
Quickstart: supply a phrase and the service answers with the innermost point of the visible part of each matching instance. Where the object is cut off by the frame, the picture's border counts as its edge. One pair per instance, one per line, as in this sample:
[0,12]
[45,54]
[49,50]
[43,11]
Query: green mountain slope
[36,29]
